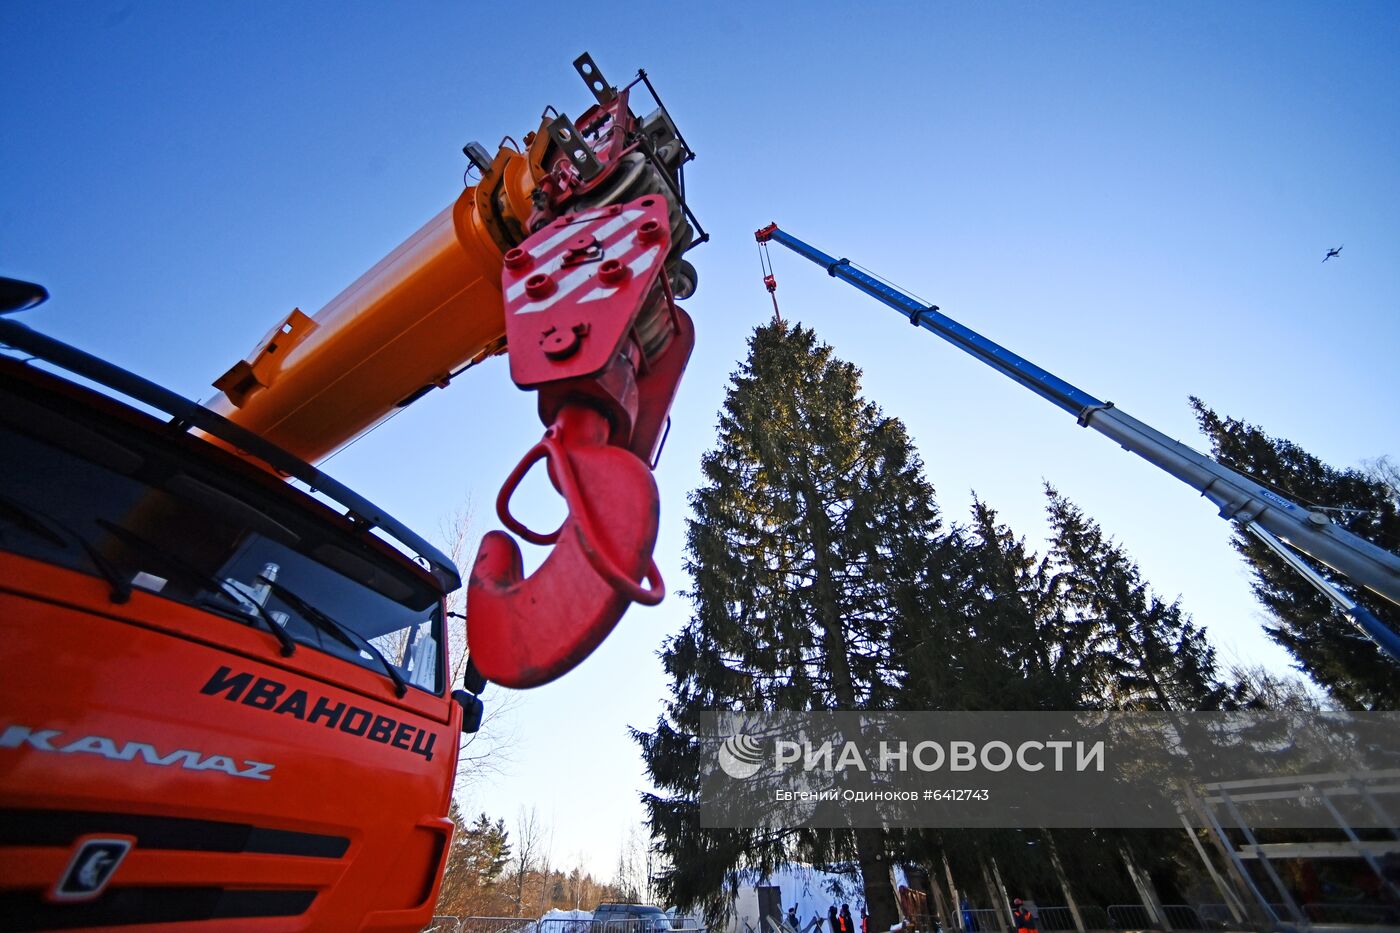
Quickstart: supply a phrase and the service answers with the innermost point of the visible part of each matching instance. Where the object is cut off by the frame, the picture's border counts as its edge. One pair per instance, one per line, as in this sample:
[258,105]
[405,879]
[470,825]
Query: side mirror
[472,710]
[472,681]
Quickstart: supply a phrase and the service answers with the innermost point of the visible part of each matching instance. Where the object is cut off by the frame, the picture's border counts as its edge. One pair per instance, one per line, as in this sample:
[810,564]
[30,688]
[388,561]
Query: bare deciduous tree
[634,867]
[529,840]
[487,752]
[456,530]
[1387,471]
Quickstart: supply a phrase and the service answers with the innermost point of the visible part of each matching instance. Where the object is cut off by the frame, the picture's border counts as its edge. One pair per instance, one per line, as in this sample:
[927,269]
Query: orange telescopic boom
[405,326]
[429,308]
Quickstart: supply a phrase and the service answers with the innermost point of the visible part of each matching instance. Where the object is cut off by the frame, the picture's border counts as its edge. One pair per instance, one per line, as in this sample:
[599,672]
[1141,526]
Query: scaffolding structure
[1361,807]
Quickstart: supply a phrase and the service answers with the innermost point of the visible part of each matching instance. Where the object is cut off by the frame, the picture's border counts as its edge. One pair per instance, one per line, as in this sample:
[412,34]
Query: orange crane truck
[224,700]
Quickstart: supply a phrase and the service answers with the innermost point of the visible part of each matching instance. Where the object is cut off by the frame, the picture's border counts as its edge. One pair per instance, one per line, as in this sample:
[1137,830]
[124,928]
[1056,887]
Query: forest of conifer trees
[826,577]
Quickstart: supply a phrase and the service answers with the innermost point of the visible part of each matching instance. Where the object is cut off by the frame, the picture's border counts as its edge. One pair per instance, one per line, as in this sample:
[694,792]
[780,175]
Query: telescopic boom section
[568,255]
[1240,499]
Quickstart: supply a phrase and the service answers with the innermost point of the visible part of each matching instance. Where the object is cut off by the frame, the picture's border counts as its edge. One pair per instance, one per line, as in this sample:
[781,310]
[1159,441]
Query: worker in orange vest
[1021,918]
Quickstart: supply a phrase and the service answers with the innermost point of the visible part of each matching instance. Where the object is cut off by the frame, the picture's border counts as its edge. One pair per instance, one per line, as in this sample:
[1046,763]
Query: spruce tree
[479,854]
[489,848]
[1323,642]
[1153,657]
[1144,654]
[1077,628]
[1006,650]
[813,550]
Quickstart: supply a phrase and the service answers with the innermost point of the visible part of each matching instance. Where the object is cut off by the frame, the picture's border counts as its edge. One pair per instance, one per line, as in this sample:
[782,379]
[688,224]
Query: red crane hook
[526,631]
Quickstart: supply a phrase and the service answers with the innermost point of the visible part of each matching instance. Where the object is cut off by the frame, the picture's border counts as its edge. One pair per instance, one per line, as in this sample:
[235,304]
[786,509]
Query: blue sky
[1136,196]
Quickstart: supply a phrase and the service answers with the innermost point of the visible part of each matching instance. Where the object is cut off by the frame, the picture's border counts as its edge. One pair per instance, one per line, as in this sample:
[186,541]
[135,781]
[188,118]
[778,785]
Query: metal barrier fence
[1055,919]
[1183,917]
[568,925]
[444,924]
[979,920]
[1358,914]
[1215,916]
[656,924]
[451,924]
[1095,917]
[1219,917]
[1178,917]
[1131,917]
[495,925]
[1186,918]
[1060,919]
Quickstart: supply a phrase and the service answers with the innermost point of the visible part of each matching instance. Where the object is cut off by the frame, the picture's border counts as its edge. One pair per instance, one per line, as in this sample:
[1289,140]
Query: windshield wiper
[55,532]
[340,632]
[31,521]
[194,574]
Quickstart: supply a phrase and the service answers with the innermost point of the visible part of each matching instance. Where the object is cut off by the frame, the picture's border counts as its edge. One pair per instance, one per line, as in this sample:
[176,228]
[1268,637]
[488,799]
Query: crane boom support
[1238,497]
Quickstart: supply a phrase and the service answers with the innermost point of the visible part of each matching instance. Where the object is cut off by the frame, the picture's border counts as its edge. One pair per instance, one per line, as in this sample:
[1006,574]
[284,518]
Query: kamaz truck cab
[225,697]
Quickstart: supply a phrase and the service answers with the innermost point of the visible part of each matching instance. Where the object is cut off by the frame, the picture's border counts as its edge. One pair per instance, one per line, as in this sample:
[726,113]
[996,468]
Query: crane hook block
[592,325]
[526,631]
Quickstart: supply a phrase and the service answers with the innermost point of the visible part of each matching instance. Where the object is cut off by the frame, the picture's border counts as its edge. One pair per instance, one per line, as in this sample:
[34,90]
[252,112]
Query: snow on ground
[813,891]
[557,914]
[561,921]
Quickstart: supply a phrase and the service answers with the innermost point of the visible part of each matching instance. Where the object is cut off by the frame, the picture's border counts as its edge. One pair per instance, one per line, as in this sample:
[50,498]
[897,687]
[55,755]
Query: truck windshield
[146,513]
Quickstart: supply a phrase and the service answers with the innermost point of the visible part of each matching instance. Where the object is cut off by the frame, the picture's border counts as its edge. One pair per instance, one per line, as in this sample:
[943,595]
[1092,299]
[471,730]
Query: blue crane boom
[1276,521]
